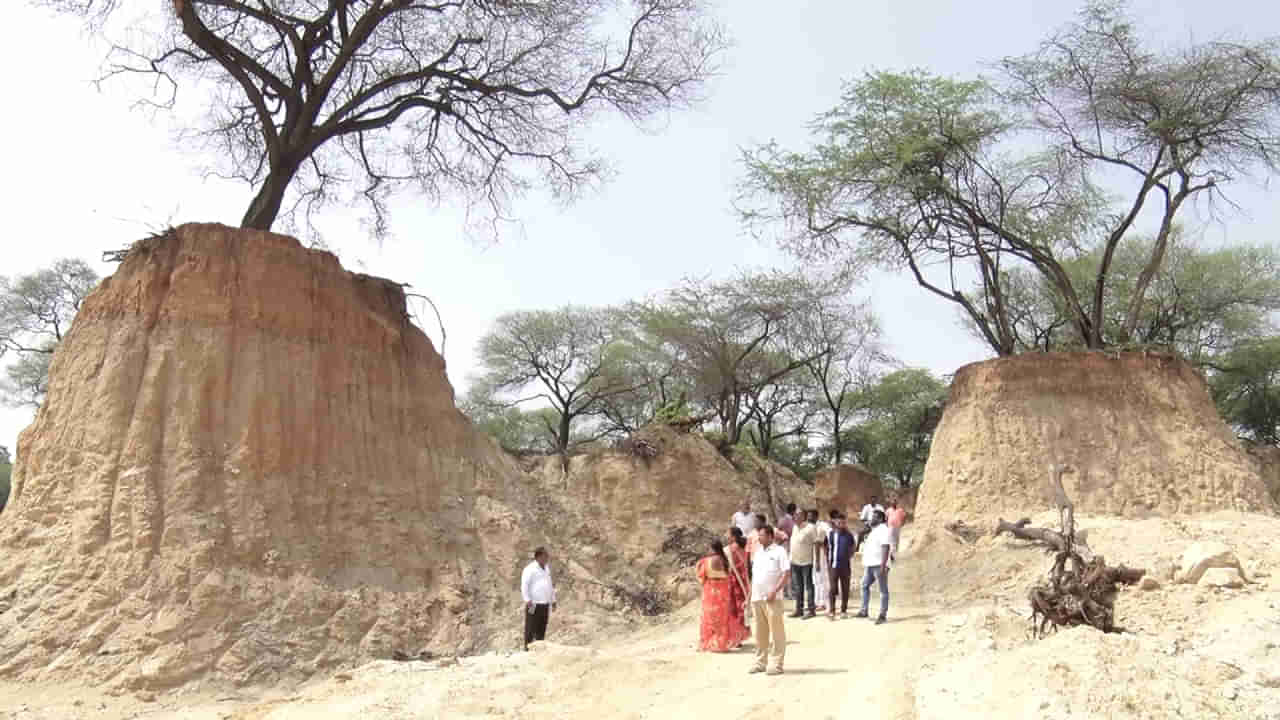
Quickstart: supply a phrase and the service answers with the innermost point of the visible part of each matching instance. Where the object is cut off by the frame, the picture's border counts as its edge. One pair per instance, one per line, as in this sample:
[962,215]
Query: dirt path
[834,669]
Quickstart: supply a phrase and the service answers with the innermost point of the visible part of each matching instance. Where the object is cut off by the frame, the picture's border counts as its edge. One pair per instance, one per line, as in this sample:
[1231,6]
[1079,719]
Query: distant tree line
[781,362]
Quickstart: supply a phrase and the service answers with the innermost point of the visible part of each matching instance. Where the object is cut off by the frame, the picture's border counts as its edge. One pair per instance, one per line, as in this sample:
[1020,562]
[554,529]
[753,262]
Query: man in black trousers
[539,596]
[841,546]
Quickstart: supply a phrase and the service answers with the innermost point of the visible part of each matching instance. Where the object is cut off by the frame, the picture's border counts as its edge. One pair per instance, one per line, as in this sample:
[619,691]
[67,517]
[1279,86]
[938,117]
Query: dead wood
[967,533]
[1080,590]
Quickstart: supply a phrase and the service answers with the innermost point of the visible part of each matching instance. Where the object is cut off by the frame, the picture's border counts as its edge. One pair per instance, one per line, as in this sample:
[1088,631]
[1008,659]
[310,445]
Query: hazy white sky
[88,174]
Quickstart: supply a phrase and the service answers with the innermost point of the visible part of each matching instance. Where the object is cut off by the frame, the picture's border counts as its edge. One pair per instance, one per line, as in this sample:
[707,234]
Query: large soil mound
[1138,432]
[249,467]
[249,462]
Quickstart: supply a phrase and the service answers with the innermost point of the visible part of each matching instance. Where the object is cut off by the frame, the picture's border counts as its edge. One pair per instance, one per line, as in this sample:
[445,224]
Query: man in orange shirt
[896,517]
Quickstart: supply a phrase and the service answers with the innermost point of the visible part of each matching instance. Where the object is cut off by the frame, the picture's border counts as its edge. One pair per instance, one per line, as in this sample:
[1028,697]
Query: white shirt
[768,566]
[873,547]
[824,530]
[535,585]
[867,511]
[744,521]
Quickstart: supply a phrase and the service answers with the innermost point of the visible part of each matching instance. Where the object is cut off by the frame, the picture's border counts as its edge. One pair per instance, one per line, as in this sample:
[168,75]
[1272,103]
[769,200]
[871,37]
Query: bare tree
[734,335]
[36,311]
[479,97]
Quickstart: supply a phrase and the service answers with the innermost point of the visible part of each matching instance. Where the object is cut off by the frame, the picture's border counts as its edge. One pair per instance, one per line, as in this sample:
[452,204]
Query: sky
[88,172]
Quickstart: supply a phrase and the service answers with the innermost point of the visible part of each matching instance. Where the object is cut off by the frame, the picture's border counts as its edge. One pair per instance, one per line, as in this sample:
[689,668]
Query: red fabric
[897,517]
[721,630]
[738,591]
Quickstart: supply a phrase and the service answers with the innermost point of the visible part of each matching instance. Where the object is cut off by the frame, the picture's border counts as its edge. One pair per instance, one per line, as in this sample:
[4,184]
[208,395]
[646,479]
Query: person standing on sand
[821,570]
[896,517]
[743,519]
[753,539]
[539,596]
[721,629]
[877,553]
[803,540]
[739,568]
[770,570]
[868,511]
[786,523]
[841,544]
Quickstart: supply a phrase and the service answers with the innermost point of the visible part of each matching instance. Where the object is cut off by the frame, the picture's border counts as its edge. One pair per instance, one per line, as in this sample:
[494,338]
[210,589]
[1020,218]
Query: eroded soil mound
[1138,433]
[249,468]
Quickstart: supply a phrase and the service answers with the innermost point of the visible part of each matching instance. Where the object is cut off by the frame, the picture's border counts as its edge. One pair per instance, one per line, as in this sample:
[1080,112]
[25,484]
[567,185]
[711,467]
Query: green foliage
[569,359]
[902,409]
[36,310]
[1202,302]
[1246,388]
[952,179]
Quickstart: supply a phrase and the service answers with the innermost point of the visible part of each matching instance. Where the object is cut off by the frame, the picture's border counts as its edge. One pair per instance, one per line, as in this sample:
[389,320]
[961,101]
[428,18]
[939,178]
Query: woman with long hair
[720,630]
[740,571]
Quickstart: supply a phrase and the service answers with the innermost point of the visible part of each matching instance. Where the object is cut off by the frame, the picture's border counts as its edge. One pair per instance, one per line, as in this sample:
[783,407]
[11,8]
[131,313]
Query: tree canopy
[1202,302]
[778,360]
[1065,152]
[481,98]
[36,310]
[566,358]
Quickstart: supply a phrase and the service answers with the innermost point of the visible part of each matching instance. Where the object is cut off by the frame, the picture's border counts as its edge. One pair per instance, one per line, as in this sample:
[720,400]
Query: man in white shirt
[744,520]
[868,511]
[539,596]
[877,553]
[770,570]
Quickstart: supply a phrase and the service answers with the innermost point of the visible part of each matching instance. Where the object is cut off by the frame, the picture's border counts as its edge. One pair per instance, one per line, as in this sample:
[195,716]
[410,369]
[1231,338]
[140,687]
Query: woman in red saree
[721,631]
[740,590]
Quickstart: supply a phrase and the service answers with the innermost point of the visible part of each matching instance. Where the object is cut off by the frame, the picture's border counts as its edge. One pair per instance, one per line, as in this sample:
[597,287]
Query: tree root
[1079,591]
[966,533]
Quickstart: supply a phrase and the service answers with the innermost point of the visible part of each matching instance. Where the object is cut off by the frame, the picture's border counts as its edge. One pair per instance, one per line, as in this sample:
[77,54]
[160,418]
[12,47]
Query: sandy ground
[653,673]
[957,647]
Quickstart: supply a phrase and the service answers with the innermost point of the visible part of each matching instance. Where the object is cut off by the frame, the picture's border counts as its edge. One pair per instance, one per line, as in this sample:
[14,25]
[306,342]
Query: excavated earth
[249,469]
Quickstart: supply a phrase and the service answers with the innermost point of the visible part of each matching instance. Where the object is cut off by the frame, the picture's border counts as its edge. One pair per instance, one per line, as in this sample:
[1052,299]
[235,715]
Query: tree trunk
[266,205]
[835,436]
[562,435]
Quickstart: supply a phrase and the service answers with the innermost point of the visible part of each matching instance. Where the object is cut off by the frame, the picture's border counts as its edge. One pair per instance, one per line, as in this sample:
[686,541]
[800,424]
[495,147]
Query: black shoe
[881,620]
[861,614]
[796,615]
[809,614]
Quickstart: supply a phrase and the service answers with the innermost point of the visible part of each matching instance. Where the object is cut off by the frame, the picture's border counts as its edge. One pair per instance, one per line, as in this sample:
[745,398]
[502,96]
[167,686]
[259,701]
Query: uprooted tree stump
[1081,589]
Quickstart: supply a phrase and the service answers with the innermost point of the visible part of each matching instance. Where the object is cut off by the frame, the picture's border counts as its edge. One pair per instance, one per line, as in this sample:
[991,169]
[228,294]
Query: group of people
[745,576]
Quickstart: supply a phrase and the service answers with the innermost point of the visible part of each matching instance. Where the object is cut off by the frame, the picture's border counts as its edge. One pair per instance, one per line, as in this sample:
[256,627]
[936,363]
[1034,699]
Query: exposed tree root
[966,533]
[1079,591]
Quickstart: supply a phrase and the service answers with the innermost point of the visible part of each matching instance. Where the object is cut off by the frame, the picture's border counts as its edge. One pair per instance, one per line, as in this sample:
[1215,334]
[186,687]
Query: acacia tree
[932,174]
[563,358]
[1246,386]
[726,331]
[474,96]
[902,409]
[840,376]
[1202,302]
[36,310]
